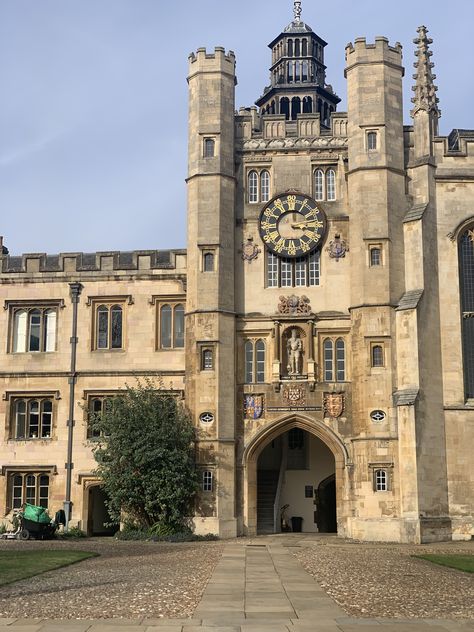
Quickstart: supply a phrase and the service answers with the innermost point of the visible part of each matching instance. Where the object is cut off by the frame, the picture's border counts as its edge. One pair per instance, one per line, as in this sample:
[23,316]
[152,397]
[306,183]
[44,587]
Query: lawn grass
[459,562]
[16,565]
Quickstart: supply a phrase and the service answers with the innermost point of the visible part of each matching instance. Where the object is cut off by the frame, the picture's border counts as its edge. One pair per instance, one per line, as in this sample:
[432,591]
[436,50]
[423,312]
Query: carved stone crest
[294,305]
[333,405]
[250,251]
[295,395]
[337,248]
[253,406]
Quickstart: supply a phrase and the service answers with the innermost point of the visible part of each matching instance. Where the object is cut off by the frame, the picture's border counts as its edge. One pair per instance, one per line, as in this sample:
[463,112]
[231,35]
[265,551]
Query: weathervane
[297,10]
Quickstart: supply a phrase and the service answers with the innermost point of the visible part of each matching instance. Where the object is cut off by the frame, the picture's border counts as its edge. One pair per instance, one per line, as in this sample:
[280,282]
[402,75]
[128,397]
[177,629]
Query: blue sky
[93,107]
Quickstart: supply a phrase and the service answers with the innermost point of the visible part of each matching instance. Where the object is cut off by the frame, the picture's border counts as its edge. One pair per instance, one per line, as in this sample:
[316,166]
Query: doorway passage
[98,515]
[296,485]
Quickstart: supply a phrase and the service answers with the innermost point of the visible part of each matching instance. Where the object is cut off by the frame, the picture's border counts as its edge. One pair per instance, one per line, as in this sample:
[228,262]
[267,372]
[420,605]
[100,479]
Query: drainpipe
[75,291]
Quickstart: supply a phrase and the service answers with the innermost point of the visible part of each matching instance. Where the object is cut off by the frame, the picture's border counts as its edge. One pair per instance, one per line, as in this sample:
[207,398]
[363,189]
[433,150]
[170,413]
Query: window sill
[28,439]
[109,350]
[31,353]
[170,349]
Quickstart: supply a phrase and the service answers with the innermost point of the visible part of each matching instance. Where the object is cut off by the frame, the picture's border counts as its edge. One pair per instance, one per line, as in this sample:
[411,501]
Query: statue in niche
[294,348]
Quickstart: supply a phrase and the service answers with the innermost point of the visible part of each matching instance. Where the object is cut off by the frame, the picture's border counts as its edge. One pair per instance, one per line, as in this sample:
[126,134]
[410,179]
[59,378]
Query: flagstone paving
[257,586]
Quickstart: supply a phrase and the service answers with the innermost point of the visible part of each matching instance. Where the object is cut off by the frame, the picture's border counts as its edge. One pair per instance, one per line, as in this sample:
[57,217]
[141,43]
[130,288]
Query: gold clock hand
[305,224]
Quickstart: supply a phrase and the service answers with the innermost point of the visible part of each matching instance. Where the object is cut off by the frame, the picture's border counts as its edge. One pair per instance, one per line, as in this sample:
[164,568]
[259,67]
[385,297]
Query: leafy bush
[3,528]
[145,458]
[73,533]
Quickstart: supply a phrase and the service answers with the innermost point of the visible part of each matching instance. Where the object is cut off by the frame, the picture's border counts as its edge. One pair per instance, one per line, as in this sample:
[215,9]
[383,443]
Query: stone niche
[294,351]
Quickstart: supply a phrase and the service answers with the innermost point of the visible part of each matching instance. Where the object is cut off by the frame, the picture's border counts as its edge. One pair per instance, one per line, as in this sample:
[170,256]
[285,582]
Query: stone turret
[425,112]
[210,335]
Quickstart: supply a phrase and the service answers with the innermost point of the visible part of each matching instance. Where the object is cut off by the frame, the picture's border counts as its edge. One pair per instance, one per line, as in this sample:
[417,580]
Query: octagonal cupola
[298,74]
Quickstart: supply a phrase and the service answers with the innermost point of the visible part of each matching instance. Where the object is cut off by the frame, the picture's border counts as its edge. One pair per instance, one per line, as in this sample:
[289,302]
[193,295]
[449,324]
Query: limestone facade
[382,371]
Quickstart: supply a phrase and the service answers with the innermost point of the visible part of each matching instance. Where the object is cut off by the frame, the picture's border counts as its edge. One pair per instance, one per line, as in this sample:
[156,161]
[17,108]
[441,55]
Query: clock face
[292,225]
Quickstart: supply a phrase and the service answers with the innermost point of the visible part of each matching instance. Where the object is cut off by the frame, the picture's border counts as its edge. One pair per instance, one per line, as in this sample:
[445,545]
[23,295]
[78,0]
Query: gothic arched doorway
[290,463]
[326,505]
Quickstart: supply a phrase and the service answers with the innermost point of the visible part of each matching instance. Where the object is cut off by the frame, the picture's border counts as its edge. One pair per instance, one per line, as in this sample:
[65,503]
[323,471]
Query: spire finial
[424,88]
[297,10]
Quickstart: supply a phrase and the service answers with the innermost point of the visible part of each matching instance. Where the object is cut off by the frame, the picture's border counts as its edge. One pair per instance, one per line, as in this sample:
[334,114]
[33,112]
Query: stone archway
[264,437]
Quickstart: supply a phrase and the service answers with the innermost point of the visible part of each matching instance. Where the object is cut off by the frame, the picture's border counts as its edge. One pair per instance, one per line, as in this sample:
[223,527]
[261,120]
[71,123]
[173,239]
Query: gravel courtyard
[134,580]
[129,580]
[383,580]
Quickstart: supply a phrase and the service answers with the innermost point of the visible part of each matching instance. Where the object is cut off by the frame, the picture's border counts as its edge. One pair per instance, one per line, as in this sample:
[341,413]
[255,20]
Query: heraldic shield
[334,404]
[253,406]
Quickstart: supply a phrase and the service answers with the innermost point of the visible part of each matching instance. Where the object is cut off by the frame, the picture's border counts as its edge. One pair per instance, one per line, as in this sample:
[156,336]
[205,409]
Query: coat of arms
[337,248]
[294,305]
[295,395]
[250,251]
[333,405]
[253,406]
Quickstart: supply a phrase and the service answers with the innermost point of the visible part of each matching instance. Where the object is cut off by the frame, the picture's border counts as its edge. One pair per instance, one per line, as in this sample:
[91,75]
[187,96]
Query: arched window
[319,185]
[304,71]
[32,419]
[165,327]
[178,327]
[28,488]
[328,351]
[19,331]
[207,363]
[290,71]
[102,327]
[116,327]
[254,362]
[295,108]
[290,48]
[265,186]
[340,360]
[297,48]
[377,356]
[375,257]
[249,362]
[260,361]
[285,107]
[331,185]
[209,147]
[34,337]
[109,327]
[380,480]
[304,47]
[208,262]
[372,141]
[466,281]
[253,187]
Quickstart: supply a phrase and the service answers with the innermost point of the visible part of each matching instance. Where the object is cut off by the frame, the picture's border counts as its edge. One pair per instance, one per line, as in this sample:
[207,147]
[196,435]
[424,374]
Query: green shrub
[3,528]
[73,532]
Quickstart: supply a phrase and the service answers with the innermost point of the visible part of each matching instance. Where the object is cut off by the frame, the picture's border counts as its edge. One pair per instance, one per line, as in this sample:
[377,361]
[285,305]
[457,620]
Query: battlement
[360,52]
[139,261]
[218,61]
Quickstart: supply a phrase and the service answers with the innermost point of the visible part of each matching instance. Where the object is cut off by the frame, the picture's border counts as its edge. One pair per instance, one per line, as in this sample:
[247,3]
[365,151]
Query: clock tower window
[299,272]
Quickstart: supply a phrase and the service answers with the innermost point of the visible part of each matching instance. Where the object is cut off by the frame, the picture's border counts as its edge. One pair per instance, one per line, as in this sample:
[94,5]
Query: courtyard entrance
[296,485]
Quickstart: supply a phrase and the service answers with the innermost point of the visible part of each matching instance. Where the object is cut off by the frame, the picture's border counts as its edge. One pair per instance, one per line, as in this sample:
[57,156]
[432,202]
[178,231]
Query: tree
[145,457]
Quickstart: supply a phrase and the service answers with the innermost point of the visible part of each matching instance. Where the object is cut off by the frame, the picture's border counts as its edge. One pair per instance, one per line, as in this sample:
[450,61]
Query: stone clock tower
[312,319]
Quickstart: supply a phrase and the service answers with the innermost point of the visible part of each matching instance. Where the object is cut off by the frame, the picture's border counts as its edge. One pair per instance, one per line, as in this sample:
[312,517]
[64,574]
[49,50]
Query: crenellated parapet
[136,262]
[217,62]
[360,52]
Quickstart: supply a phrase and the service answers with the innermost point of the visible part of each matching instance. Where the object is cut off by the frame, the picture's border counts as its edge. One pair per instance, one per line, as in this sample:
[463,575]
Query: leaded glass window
[466,279]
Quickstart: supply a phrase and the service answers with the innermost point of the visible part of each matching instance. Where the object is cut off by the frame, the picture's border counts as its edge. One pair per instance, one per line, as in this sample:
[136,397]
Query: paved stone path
[254,588]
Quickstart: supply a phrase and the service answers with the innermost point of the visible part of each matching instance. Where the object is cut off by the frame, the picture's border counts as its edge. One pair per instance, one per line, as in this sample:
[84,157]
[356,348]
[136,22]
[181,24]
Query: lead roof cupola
[298,74]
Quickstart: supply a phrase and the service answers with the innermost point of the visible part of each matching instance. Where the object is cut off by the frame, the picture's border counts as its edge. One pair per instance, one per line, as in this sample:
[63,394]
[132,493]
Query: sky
[93,106]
